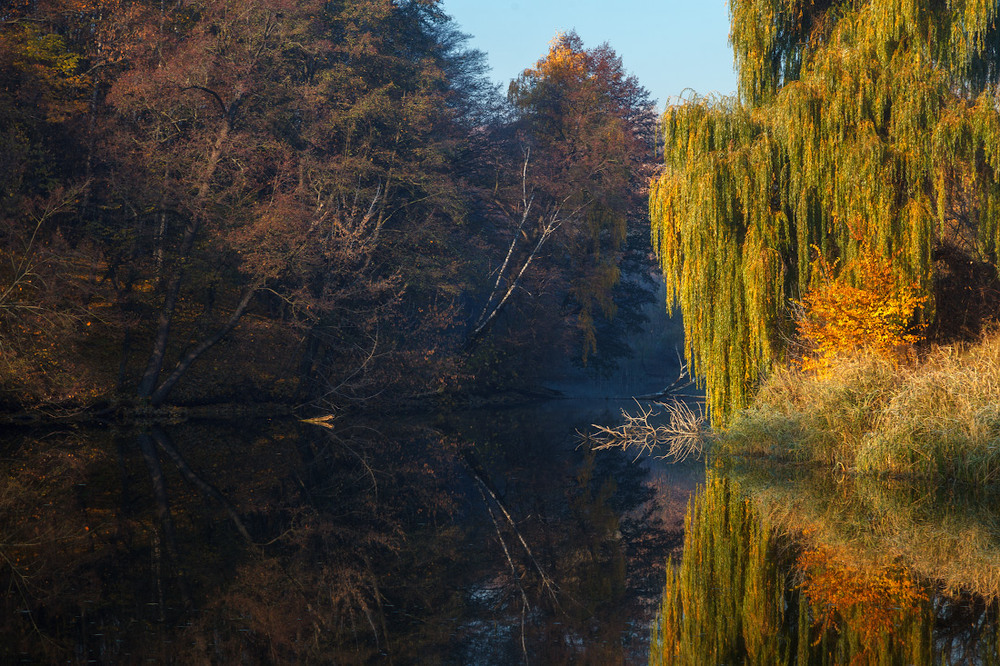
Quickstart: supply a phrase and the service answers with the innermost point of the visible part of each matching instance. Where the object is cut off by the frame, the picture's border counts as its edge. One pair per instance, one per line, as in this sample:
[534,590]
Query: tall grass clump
[944,419]
[939,418]
[802,417]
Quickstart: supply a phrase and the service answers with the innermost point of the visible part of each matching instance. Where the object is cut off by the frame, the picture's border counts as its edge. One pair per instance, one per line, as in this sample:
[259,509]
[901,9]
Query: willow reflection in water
[291,544]
[762,582]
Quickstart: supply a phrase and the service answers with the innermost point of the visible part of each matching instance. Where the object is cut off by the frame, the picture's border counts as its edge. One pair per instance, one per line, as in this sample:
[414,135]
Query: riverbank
[938,418]
[130,411]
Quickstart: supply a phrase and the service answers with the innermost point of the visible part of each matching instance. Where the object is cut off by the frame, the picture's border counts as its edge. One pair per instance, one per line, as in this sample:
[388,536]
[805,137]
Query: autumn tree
[838,320]
[858,127]
[307,199]
[45,88]
[293,161]
[568,191]
[395,103]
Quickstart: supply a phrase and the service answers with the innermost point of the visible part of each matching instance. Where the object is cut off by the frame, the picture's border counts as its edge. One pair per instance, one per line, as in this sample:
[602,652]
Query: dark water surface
[477,538]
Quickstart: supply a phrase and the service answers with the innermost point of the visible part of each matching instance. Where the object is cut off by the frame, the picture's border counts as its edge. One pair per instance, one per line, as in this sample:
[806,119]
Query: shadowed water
[481,538]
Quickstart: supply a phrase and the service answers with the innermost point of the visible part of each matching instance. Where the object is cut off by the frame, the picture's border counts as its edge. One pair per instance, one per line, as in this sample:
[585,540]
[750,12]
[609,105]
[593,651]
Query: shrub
[838,319]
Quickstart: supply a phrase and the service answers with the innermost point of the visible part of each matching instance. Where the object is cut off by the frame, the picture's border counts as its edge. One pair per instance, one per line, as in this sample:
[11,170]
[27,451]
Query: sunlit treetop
[588,125]
[564,59]
[866,129]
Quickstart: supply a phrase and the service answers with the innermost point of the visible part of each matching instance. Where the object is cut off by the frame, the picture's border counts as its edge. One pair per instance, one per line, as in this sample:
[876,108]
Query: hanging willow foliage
[860,128]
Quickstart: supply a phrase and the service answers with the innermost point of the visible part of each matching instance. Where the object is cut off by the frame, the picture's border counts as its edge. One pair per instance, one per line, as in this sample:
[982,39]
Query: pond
[484,537]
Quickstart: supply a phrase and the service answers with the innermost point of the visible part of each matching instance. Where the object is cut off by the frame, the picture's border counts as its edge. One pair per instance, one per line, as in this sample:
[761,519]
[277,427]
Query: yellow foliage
[869,121]
[840,320]
[52,68]
[562,59]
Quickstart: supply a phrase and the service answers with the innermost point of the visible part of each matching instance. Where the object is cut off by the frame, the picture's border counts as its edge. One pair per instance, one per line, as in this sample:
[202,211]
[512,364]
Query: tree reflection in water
[293,544]
[781,572]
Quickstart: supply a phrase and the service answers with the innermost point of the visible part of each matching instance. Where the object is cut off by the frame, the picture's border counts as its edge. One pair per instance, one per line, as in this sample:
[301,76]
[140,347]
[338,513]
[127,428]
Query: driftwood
[679,388]
[684,434]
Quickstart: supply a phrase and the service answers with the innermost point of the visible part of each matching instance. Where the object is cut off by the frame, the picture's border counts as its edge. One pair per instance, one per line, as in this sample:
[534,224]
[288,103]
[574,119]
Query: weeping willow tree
[861,129]
[725,602]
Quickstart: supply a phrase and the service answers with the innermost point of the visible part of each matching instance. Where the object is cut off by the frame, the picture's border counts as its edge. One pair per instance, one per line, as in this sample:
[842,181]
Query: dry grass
[939,418]
[943,419]
[804,417]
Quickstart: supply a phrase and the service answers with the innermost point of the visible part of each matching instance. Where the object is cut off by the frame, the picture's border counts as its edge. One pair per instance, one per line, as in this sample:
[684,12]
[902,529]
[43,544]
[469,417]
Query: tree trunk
[160,394]
[155,364]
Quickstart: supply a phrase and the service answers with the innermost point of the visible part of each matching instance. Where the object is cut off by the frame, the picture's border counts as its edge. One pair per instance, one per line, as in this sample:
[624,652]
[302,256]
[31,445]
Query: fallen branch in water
[685,433]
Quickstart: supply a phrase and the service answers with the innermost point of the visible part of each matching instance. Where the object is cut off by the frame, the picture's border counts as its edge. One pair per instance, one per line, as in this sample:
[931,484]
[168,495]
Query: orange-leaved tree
[862,310]
[583,138]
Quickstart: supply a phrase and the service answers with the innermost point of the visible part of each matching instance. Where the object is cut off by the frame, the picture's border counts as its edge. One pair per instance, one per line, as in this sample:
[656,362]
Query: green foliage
[725,601]
[860,126]
[774,41]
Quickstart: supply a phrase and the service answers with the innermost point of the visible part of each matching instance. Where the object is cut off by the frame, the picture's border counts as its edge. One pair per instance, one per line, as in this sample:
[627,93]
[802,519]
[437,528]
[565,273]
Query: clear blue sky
[669,45]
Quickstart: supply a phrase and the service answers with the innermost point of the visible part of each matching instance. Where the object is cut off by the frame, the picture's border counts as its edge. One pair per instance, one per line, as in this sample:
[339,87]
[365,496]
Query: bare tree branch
[684,434]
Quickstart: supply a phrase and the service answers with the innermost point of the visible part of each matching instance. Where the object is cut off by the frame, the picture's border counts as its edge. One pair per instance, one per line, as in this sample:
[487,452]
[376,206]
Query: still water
[488,537]
[787,565]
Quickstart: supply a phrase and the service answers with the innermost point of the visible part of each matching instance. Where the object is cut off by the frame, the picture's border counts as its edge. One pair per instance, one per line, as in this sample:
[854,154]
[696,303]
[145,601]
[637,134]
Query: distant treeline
[306,202]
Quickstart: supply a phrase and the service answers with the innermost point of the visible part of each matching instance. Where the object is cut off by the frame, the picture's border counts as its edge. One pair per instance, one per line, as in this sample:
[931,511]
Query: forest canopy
[862,131]
[303,202]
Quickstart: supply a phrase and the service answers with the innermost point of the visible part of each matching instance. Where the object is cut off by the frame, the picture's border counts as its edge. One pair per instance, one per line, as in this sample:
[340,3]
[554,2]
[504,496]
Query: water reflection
[471,540]
[948,533]
[782,567]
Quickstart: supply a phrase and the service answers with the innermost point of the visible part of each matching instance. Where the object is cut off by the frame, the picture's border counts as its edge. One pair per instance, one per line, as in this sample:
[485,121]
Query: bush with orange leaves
[840,320]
